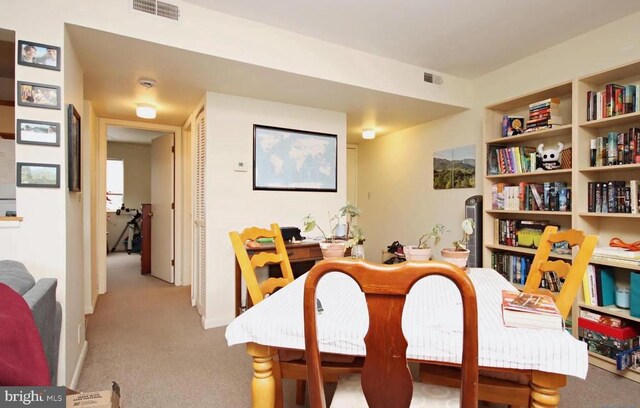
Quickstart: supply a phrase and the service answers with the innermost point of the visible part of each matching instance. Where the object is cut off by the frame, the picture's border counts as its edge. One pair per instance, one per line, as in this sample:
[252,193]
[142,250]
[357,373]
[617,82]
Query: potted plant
[422,251]
[343,234]
[459,254]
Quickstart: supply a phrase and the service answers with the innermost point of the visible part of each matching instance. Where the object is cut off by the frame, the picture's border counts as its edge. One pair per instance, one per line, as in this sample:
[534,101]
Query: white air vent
[432,78]
[157,8]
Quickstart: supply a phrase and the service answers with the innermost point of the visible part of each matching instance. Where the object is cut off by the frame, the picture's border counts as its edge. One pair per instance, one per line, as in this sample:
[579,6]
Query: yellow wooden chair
[507,387]
[290,364]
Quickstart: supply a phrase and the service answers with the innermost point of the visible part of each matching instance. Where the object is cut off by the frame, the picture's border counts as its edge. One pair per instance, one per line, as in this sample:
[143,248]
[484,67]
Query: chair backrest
[386,379]
[268,255]
[571,272]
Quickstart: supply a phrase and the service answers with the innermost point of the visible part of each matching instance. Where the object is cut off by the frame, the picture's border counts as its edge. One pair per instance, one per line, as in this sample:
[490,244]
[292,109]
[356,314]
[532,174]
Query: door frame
[101,228]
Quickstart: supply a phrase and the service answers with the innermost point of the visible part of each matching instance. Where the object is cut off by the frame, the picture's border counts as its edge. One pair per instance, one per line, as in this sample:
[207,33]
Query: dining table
[431,323]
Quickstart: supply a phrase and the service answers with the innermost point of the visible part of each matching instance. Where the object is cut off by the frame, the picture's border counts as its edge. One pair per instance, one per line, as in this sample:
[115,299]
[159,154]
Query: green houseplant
[459,254]
[342,234]
[422,251]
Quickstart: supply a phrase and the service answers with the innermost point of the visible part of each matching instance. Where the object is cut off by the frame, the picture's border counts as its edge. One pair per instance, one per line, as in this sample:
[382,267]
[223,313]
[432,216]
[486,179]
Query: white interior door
[199,215]
[161,207]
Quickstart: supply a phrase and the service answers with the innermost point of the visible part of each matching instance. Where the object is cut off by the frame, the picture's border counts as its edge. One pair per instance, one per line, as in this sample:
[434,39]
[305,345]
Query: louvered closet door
[199,239]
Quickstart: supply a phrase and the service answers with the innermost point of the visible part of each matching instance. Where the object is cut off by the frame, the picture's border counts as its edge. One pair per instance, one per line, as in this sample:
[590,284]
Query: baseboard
[79,365]
[212,323]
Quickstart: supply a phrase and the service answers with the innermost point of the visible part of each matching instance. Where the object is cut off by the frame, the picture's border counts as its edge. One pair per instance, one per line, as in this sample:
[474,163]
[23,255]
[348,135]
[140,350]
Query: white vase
[413,253]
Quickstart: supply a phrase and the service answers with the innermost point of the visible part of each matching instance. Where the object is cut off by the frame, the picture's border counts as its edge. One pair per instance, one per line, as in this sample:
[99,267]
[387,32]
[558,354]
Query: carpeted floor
[146,336]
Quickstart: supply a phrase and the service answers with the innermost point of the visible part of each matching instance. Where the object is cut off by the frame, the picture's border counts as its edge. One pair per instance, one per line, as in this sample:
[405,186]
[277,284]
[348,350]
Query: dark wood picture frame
[42,180]
[321,165]
[23,138]
[42,55]
[74,156]
[25,95]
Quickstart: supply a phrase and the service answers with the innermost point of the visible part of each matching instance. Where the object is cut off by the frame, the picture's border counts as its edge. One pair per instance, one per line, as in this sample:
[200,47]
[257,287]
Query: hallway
[145,336]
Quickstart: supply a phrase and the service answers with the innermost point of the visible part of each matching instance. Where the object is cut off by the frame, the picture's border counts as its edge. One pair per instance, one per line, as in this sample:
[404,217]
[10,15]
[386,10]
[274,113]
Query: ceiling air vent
[432,78]
[157,8]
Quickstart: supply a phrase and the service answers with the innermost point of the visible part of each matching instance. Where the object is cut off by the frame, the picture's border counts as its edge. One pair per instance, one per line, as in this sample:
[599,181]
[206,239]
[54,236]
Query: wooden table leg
[263,385]
[545,389]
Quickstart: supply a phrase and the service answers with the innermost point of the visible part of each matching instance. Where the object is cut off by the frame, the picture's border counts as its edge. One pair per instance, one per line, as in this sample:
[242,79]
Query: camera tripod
[133,228]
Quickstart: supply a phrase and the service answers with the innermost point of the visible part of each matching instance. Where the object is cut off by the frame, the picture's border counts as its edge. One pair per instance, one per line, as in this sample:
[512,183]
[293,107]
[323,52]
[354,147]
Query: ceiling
[465,38]
[121,134]
[184,76]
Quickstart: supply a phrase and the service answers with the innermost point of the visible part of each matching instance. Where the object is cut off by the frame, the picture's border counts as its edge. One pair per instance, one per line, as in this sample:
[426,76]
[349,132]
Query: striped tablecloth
[432,324]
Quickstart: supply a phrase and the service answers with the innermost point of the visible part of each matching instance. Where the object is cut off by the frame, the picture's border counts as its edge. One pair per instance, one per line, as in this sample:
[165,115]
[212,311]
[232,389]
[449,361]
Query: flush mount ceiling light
[146,111]
[369,134]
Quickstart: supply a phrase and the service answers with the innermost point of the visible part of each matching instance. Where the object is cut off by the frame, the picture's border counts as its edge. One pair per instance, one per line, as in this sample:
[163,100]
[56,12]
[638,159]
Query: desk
[432,325]
[302,256]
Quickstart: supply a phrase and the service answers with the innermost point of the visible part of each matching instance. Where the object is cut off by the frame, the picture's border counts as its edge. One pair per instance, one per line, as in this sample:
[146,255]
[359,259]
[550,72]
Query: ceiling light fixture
[369,134]
[146,111]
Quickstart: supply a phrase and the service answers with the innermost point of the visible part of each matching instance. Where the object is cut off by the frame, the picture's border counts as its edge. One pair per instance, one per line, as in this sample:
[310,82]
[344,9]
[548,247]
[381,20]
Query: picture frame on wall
[37,132]
[294,160]
[38,175]
[73,146]
[38,95]
[39,55]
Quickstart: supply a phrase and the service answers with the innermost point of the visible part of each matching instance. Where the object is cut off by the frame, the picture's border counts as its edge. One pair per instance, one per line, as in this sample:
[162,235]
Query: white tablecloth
[432,324]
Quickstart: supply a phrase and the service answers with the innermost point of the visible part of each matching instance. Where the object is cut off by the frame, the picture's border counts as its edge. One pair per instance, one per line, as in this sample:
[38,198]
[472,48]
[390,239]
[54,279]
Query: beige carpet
[146,336]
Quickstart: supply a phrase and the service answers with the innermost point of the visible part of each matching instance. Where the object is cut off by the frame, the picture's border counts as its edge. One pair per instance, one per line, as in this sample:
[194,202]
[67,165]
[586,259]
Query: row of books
[620,343]
[613,197]
[518,233]
[542,115]
[548,196]
[613,101]
[616,148]
[515,268]
[511,160]
[599,286]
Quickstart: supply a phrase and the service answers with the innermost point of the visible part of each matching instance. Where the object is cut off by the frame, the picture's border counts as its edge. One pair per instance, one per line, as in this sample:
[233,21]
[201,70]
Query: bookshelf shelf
[533,174]
[519,212]
[522,250]
[609,364]
[620,120]
[609,215]
[610,310]
[540,134]
[619,167]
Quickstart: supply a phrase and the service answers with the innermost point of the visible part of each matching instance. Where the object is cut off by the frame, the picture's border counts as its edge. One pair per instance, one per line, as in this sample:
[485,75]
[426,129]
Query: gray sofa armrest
[47,314]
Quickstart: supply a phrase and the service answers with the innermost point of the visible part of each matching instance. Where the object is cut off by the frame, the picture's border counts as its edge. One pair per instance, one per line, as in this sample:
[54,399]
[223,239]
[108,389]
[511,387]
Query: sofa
[41,298]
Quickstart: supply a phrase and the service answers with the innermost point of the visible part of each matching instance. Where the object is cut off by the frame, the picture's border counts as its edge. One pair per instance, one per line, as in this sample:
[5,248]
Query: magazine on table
[530,310]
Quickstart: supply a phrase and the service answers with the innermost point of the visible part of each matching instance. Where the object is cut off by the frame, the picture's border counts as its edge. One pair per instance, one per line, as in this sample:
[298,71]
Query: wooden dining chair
[385,381]
[507,387]
[290,364]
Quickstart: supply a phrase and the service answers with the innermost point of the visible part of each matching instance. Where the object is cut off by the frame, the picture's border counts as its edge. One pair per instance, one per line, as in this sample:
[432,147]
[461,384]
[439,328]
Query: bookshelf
[576,132]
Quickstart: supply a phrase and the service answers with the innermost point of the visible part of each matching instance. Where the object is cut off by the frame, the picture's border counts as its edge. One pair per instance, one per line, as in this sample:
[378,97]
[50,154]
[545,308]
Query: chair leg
[300,391]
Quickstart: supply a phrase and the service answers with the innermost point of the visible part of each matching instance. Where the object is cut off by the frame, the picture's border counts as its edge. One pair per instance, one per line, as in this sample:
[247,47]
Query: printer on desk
[289,233]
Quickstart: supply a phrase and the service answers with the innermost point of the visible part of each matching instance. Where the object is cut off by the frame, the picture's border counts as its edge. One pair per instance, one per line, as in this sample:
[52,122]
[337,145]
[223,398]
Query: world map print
[294,160]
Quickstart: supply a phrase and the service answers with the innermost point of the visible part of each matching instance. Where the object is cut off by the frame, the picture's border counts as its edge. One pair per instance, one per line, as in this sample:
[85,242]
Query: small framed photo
[38,133]
[73,142]
[38,175]
[38,95]
[39,55]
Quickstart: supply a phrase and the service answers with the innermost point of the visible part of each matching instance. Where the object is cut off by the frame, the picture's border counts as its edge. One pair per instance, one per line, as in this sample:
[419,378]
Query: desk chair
[290,363]
[503,386]
[386,381]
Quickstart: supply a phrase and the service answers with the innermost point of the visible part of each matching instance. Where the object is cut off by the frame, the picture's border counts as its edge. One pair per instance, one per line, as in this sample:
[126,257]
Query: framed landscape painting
[38,175]
[38,132]
[294,160]
[454,168]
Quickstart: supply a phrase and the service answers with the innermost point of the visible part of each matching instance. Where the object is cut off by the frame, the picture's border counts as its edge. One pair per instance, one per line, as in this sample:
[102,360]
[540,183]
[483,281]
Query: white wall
[137,184]
[73,322]
[231,202]
[395,183]
[90,188]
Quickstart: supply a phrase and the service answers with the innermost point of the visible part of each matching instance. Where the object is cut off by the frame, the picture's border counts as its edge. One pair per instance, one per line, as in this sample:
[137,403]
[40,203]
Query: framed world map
[294,160]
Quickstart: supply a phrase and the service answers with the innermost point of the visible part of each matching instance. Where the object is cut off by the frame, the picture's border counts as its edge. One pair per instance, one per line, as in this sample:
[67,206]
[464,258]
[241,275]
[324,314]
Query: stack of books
[618,342]
[544,115]
[530,310]
[616,254]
